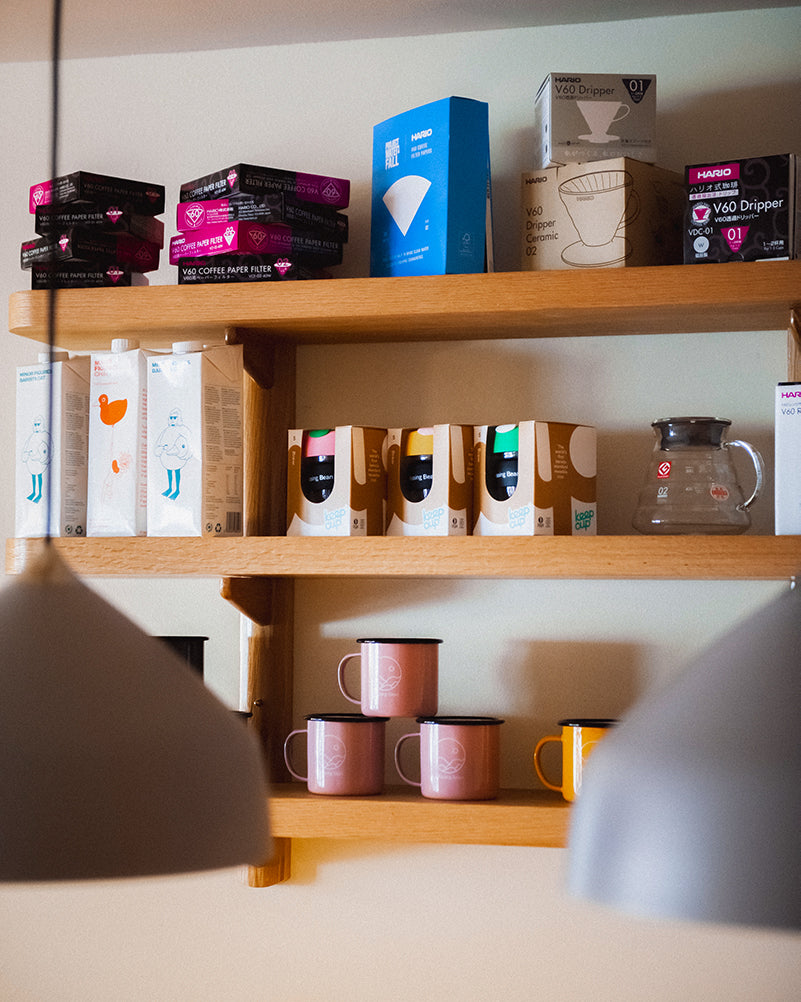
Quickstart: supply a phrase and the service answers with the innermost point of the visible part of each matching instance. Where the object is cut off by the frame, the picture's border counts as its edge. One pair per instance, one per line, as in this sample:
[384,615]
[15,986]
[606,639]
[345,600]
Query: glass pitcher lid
[682,431]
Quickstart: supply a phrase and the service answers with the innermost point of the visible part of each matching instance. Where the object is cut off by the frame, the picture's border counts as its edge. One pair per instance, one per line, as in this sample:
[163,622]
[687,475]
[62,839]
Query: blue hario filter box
[431,191]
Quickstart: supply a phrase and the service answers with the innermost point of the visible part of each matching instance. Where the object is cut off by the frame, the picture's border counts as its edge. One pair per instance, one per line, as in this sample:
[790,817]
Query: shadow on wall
[548,681]
[730,124]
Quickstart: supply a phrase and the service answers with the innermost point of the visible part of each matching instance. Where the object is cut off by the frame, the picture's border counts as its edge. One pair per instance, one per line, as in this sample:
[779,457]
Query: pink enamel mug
[459,757]
[399,677]
[344,754]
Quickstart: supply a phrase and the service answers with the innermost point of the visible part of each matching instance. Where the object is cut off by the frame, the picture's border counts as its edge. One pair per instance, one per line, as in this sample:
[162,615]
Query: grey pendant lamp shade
[691,808]
[115,760]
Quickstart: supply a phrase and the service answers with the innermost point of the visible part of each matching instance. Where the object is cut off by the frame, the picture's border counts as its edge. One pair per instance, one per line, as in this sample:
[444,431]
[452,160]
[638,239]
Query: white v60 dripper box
[580,117]
[430,481]
[336,481]
[535,478]
[52,456]
[194,441]
[117,480]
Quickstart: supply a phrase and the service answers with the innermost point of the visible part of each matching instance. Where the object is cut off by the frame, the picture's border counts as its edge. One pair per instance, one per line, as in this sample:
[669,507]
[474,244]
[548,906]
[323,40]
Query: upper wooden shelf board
[747,557]
[658,300]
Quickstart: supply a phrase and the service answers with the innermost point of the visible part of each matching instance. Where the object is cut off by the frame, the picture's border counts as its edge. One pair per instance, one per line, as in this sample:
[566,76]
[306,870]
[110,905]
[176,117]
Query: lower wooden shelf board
[401,814]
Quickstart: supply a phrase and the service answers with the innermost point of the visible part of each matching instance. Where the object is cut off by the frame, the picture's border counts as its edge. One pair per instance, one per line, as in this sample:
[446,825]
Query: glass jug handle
[759,469]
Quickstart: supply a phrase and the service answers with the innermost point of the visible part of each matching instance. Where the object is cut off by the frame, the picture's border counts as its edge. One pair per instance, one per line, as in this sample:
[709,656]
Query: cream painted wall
[368,921]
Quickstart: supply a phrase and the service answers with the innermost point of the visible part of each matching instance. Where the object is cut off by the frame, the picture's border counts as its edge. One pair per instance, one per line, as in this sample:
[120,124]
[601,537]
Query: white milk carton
[51,455]
[116,503]
[194,441]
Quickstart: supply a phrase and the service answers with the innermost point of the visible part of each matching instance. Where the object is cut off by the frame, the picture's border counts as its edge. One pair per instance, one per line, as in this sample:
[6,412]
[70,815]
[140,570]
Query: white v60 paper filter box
[430,481]
[605,214]
[595,116]
[535,478]
[787,472]
[52,456]
[117,478]
[194,442]
[431,199]
[336,481]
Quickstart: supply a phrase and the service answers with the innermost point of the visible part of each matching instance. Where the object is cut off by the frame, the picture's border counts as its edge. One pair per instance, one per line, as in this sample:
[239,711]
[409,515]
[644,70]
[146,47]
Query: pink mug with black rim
[459,757]
[344,754]
[399,676]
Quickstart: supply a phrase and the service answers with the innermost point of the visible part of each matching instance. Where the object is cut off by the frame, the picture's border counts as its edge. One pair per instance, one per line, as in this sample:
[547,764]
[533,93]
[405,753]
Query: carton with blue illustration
[431,202]
[194,441]
[51,445]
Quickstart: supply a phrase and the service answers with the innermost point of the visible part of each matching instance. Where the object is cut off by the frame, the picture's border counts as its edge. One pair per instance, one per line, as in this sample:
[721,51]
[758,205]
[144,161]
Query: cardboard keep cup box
[582,117]
[194,435]
[743,210]
[52,455]
[431,194]
[535,478]
[336,481]
[430,481]
[606,214]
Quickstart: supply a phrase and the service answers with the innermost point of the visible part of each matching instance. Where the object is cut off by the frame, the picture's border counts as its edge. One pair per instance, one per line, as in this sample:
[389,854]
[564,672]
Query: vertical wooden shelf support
[269,410]
[794,347]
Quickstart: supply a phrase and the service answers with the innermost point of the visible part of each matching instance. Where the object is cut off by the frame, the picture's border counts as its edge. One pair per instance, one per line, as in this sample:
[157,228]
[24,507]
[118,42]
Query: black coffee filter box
[743,210]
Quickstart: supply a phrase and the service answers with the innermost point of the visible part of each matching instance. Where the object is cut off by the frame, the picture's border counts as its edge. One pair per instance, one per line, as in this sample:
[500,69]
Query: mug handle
[538,763]
[341,677]
[297,775]
[403,738]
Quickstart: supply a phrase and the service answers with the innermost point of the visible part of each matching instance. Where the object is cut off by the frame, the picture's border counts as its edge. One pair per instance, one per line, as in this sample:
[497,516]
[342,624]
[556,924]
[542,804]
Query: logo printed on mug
[334,752]
[390,674]
[452,756]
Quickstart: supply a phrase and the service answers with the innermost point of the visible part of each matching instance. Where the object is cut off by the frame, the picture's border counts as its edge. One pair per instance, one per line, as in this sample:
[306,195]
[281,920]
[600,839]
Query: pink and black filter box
[255,238]
[93,230]
[247,179]
[247,223]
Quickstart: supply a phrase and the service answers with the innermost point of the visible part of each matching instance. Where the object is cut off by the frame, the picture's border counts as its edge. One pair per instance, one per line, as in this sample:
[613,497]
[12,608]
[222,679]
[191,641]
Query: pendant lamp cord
[51,292]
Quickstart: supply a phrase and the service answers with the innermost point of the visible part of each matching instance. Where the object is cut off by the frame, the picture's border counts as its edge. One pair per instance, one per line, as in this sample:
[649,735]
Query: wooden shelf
[659,300]
[542,557]
[258,569]
[517,817]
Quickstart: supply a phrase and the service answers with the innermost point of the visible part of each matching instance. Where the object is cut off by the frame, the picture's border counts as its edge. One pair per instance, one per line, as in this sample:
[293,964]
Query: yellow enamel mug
[578,738]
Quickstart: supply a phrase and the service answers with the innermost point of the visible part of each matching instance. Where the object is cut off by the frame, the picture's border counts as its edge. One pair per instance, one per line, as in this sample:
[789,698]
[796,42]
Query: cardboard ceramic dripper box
[606,214]
[52,455]
[336,481]
[536,478]
[117,476]
[194,433]
[430,481]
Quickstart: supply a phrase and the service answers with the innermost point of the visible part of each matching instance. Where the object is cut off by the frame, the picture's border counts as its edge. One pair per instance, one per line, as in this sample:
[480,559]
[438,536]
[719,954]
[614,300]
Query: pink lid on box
[319,442]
